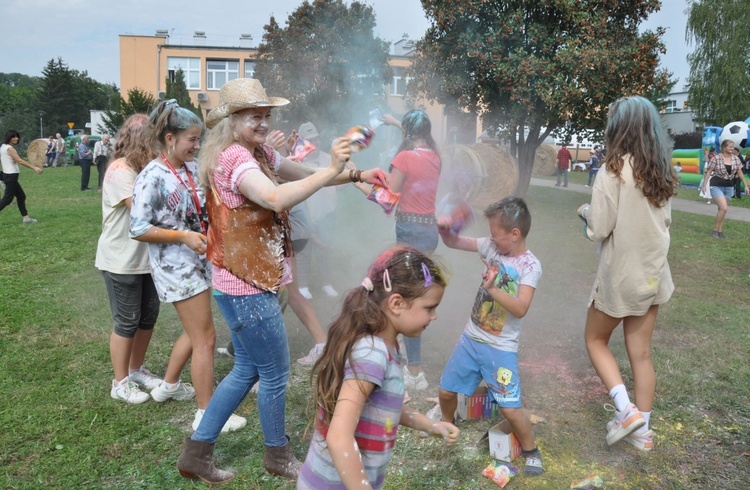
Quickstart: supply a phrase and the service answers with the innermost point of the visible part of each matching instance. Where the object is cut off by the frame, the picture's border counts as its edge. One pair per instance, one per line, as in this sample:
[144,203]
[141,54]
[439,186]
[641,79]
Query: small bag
[707,194]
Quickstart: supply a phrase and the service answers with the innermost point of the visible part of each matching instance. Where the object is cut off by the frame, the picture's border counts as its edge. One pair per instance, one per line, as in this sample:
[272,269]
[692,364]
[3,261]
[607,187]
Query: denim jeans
[562,172]
[261,353]
[424,238]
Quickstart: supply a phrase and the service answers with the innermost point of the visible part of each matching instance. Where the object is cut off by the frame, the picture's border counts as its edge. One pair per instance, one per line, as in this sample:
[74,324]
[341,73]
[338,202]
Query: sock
[131,371]
[620,397]
[171,386]
[647,416]
[530,452]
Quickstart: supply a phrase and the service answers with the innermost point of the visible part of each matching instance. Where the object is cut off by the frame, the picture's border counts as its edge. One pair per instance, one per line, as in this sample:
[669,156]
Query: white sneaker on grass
[183,391]
[128,392]
[313,356]
[623,423]
[415,382]
[144,377]
[235,421]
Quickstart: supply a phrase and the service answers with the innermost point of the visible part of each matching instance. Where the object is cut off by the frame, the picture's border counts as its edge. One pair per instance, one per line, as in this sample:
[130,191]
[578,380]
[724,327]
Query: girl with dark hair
[169,214]
[10,161]
[359,389]
[630,214]
[415,172]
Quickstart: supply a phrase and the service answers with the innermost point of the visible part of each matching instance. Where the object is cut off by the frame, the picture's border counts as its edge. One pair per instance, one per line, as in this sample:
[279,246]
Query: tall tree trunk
[526,154]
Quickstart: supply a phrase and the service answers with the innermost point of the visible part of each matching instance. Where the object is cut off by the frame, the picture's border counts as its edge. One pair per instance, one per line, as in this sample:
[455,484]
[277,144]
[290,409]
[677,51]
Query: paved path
[695,207]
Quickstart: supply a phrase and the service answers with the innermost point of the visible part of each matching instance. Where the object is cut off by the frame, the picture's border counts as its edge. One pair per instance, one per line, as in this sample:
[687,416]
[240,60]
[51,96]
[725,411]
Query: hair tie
[387,281]
[171,102]
[367,284]
[427,276]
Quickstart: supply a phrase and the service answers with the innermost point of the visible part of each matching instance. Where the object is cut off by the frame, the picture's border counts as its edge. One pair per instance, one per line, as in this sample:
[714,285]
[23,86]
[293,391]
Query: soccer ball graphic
[737,132]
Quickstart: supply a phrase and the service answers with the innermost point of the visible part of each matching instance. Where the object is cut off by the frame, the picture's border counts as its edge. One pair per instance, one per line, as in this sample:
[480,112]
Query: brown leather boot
[197,460]
[280,461]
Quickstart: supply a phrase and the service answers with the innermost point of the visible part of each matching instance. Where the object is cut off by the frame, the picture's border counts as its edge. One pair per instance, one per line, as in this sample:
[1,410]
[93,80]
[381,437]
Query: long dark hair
[362,314]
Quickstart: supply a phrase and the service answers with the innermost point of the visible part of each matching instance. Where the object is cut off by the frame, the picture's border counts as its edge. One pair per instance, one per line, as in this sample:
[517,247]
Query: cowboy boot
[197,460]
[280,461]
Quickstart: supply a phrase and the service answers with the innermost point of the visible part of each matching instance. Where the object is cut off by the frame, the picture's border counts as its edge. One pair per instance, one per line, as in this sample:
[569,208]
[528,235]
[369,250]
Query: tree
[17,102]
[531,67]
[327,62]
[177,89]
[719,80]
[138,102]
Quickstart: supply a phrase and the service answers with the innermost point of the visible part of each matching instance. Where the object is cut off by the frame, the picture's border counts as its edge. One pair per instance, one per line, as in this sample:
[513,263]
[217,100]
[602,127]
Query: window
[190,66]
[670,106]
[399,81]
[220,72]
[249,69]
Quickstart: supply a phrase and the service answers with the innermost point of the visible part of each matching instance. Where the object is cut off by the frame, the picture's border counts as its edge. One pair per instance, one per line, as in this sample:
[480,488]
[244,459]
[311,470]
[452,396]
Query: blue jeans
[261,353]
[562,172]
[424,238]
[592,174]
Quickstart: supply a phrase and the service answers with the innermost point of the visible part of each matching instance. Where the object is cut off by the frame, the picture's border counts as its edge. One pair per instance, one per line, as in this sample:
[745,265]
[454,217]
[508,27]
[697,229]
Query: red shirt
[563,158]
[421,169]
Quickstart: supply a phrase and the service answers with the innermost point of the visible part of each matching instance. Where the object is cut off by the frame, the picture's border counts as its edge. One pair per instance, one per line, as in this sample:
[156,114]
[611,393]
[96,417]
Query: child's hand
[445,225]
[447,431]
[376,176]
[195,241]
[488,276]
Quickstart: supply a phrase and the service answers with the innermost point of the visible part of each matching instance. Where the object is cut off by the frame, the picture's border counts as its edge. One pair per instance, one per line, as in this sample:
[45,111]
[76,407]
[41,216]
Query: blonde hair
[132,142]
[218,139]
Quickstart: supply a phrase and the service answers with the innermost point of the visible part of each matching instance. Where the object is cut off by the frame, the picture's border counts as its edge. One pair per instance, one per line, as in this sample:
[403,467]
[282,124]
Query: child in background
[359,389]
[488,347]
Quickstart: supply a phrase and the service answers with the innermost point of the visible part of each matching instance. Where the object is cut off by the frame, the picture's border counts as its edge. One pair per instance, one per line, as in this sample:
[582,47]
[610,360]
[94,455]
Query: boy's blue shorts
[473,361]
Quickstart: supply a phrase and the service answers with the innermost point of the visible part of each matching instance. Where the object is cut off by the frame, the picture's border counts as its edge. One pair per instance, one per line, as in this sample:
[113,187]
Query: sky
[84,33]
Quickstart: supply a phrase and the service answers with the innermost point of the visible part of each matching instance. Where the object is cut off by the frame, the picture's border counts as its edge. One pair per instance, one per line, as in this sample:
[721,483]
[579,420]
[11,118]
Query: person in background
[10,162]
[51,152]
[359,390]
[415,173]
[60,149]
[133,300]
[85,158]
[737,181]
[102,151]
[593,165]
[563,164]
[723,169]
[630,215]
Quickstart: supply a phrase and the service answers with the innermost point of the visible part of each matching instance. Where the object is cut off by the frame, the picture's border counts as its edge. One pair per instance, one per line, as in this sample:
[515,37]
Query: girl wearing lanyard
[169,214]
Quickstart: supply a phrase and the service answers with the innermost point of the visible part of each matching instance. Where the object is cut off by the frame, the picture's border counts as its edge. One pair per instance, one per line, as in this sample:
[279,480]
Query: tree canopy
[531,67]
[138,102]
[177,89]
[719,78]
[326,61]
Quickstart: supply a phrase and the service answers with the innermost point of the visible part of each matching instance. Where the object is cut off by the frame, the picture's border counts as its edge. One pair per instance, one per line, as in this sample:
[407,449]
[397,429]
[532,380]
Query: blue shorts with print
[472,362]
[727,192]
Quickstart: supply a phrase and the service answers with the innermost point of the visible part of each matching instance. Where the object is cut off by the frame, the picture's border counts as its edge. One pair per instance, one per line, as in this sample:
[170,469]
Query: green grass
[60,429]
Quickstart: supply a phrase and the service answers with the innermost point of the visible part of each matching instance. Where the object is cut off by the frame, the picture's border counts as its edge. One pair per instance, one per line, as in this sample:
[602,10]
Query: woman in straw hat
[249,247]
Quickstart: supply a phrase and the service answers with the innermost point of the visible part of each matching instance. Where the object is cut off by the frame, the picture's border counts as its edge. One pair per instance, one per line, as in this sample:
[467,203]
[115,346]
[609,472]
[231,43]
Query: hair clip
[170,102]
[427,275]
[387,281]
[367,284]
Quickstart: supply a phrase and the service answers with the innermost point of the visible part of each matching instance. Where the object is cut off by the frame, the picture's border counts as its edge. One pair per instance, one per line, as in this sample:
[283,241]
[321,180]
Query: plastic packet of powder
[376,118]
[301,149]
[385,197]
[360,137]
[500,473]
[461,215]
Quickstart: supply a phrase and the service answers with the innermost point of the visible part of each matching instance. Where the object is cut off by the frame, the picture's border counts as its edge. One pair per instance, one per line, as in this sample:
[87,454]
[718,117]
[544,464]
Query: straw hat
[239,94]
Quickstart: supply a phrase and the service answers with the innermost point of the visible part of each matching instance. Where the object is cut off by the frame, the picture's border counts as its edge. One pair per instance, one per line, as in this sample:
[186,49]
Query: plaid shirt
[563,158]
[719,168]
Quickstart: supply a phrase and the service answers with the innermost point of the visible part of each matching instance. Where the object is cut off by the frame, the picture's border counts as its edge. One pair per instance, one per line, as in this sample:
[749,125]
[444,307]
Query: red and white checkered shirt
[235,164]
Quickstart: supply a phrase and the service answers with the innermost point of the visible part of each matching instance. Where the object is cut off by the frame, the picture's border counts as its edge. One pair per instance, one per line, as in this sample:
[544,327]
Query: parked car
[71,147]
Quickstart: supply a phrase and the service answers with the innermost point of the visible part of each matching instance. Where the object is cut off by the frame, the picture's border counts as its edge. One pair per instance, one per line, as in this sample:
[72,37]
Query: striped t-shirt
[378,425]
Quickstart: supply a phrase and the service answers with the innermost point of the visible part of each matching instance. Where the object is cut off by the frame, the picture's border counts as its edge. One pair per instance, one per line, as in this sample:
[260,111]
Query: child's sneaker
[624,422]
[313,356]
[641,440]
[183,391]
[128,391]
[144,377]
[533,464]
[412,382]
[233,423]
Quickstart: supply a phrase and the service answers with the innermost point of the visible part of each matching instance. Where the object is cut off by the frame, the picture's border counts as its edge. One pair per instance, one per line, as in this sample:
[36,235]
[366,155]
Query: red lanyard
[194,192]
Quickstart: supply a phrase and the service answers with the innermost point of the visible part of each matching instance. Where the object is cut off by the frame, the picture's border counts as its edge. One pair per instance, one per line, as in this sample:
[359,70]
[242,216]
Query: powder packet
[301,149]
[500,473]
[385,197]
[360,137]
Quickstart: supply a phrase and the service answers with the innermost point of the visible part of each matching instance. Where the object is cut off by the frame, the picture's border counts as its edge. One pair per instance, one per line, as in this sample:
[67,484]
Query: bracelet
[355,175]
[583,212]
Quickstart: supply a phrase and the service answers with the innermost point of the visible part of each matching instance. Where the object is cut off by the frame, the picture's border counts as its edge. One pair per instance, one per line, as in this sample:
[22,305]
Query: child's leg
[461,375]
[638,332]
[195,314]
[448,405]
[599,328]
[521,424]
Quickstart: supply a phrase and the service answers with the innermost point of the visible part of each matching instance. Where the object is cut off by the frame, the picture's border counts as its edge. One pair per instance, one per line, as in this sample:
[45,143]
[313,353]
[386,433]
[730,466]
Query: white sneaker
[313,356]
[235,421]
[128,392]
[144,377]
[330,292]
[306,293]
[183,391]
[412,382]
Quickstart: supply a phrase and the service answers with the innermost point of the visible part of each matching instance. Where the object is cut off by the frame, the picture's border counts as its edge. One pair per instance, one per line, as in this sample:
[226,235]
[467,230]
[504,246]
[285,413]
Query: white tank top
[9,165]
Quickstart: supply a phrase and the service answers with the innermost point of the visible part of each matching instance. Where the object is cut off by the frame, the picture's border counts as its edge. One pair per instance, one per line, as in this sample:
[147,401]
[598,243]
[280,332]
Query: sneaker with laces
[144,377]
[312,356]
[624,422]
[235,422]
[330,292]
[643,440]
[415,382]
[29,220]
[533,464]
[183,391]
[306,293]
[128,392]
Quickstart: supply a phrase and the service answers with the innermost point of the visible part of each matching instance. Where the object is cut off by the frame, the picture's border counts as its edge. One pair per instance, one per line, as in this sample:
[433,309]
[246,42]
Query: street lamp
[41,126]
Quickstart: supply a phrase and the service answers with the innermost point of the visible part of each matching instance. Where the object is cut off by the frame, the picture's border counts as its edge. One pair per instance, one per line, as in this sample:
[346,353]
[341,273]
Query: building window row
[218,72]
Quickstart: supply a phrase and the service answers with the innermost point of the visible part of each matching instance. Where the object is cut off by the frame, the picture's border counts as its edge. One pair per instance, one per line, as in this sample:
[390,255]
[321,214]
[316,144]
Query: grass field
[60,428]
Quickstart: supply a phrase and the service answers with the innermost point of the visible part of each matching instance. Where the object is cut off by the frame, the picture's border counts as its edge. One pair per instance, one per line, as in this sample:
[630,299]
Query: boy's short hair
[510,213]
